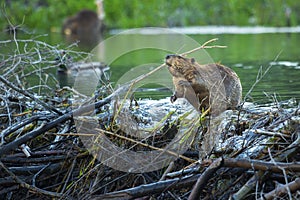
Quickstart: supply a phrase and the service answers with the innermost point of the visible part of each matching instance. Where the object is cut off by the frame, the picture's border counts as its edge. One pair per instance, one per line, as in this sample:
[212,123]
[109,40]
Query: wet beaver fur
[199,84]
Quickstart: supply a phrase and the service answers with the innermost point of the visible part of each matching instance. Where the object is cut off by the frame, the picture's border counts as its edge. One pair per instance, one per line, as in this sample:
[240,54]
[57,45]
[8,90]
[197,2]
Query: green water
[132,55]
[245,53]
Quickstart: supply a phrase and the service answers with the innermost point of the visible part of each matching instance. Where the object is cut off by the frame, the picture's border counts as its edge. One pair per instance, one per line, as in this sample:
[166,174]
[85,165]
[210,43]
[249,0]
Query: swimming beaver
[204,86]
[84,22]
[86,26]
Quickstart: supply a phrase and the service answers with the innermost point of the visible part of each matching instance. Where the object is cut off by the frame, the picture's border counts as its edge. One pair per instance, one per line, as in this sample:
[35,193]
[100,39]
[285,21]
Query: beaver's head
[179,66]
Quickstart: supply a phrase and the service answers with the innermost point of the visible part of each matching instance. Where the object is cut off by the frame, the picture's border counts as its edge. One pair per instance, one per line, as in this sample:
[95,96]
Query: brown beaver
[84,22]
[212,85]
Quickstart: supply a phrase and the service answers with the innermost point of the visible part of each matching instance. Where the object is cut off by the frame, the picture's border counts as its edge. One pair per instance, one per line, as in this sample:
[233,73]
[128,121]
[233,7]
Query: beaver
[84,22]
[204,86]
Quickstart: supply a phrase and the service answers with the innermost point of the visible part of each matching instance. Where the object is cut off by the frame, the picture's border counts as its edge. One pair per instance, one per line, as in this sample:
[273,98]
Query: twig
[252,181]
[281,190]
[147,145]
[169,168]
[67,88]
[283,171]
[27,186]
[38,173]
[274,134]
[260,76]
[69,175]
[27,94]
[11,129]
[204,46]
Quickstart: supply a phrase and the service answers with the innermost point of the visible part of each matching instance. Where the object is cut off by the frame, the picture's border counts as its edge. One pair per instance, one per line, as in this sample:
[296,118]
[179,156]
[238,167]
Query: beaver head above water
[181,66]
[204,85]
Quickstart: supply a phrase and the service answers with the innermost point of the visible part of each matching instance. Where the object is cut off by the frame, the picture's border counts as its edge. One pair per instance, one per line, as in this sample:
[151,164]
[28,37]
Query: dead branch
[204,46]
[47,126]
[19,160]
[147,145]
[261,165]
[282,190]
[27,186]
[251,183]
[4,149]
[203,179]
[13,128]
[28,170]
[149,189]
[259,77]
[27,94]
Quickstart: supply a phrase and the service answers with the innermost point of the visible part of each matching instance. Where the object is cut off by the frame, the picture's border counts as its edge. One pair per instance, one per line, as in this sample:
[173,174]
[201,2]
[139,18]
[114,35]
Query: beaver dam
[57,143]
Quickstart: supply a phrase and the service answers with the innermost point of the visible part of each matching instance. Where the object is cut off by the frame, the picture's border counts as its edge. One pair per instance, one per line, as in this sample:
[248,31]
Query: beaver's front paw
[184,83]
[173,98]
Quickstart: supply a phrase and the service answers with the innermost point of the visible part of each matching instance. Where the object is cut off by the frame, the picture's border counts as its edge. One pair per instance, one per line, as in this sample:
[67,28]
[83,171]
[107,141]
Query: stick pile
[42,156]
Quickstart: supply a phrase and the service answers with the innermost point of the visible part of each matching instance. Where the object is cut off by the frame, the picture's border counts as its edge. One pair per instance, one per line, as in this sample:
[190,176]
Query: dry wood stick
[262,165]
[21,124]
[204,46]
[203,179]
[47,126]
[283,189]
[27,94]
[147,145]
[250,185]
[148,189]
[27,186]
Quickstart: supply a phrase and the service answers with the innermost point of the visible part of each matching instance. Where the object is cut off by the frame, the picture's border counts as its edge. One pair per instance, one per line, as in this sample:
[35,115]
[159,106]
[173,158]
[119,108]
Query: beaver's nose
[169,56]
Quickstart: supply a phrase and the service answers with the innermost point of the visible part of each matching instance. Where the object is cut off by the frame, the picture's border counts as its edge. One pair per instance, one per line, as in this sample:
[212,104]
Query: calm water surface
[133,54]
[248,54]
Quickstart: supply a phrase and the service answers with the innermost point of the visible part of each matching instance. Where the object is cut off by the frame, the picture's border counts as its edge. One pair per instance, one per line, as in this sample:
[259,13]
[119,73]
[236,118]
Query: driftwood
[41,154]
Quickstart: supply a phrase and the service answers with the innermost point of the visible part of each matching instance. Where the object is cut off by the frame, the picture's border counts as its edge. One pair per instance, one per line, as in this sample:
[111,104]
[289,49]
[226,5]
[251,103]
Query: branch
[260,76]
[251,183]
[27,94]
[27,186]
[148,189]
[47,126]
[204,46]
[262,165]
[203,179]
[146,145]
[282,190]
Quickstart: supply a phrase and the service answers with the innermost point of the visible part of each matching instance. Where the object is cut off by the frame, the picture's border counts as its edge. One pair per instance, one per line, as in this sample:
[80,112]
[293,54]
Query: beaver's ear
[193,60]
